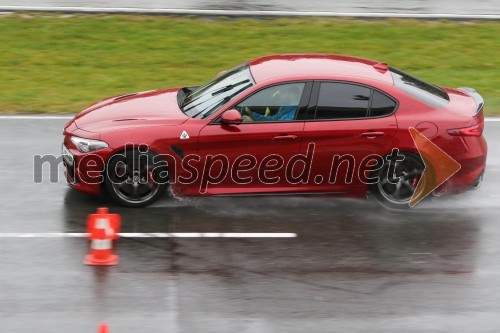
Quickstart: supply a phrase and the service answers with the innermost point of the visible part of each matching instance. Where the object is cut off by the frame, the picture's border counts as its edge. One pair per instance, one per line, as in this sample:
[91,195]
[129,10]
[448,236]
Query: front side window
[276,103]
[342,101]
[210,97]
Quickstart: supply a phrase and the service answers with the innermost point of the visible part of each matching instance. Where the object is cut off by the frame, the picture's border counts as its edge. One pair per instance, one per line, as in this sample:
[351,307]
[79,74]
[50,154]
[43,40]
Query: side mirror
[231,117]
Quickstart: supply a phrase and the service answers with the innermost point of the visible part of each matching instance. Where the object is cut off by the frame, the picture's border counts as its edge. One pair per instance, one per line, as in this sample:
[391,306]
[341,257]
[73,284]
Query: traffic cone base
[91,260]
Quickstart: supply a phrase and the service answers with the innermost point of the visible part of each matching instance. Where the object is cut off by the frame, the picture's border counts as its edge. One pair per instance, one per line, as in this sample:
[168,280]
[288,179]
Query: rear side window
[423,91]
[381,105]
[341,100]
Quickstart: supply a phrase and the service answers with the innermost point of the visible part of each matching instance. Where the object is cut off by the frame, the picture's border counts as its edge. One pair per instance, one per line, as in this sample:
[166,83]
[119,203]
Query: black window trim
[313,105]
[303,104]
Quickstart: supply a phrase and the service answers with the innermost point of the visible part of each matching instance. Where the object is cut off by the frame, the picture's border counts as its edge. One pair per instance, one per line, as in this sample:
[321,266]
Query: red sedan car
[279,125]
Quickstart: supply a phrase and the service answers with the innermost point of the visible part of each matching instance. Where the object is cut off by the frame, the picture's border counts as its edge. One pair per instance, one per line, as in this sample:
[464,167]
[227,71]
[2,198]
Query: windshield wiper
[229,87]
[224,101]
[214,107]
[185,110]
[215,93]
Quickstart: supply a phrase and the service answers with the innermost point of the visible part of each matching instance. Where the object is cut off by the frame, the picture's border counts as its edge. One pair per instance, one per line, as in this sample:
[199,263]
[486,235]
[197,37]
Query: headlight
[87,145]
[67,156]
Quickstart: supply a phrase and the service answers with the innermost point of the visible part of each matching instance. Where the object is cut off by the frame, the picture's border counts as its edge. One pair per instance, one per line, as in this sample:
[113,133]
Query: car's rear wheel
[135,179]
[396,192]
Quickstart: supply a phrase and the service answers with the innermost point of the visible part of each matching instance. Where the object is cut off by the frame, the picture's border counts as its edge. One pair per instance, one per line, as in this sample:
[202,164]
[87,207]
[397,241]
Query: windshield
[426,92]
[210,97]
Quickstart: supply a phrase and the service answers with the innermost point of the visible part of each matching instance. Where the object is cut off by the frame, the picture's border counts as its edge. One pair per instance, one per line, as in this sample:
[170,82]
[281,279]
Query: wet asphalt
[341,6]
[353,267]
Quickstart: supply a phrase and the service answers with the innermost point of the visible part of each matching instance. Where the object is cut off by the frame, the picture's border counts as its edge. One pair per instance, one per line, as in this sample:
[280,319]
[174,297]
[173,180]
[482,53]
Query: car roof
[313,64]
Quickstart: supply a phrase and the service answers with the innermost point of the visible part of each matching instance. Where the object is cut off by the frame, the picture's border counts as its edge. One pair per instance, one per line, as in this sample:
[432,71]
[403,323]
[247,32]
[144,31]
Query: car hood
[148,108]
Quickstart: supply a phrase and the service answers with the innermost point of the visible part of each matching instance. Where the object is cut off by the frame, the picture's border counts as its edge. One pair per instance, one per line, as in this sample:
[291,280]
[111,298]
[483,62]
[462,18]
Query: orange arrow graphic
[439,167]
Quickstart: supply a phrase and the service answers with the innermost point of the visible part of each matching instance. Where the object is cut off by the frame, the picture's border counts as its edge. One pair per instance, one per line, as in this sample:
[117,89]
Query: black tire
[397,195]
[135,179]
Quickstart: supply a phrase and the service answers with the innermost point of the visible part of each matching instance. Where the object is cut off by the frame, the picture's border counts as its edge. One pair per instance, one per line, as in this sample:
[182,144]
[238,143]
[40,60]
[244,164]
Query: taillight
[474,130]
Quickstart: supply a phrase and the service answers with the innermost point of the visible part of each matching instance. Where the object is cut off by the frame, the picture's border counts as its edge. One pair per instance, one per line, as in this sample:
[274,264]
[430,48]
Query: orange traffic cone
[103,328]
[103,220]
[101,248]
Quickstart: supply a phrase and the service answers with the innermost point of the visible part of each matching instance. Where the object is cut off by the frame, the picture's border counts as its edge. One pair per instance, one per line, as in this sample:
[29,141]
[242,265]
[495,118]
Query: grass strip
[60,63]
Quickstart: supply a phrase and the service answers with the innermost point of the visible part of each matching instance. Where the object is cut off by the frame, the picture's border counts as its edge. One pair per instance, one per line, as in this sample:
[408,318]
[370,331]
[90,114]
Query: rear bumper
[472,160]
[479,180]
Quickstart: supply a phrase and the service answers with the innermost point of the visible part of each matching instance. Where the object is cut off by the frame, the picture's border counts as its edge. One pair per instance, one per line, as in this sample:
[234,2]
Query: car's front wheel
[135,179]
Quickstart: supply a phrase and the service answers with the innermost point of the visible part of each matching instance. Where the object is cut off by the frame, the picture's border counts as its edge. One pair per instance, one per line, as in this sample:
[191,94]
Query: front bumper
[84,171]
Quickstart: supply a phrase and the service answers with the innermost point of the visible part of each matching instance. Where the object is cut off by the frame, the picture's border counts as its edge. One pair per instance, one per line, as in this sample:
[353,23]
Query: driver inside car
[287,101]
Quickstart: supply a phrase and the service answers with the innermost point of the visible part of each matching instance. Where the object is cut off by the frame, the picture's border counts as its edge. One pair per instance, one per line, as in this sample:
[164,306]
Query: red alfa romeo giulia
[306,124]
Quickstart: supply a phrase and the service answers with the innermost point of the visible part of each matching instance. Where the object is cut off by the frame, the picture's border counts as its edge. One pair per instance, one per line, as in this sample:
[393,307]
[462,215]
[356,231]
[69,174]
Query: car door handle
[284,138]
[372,134]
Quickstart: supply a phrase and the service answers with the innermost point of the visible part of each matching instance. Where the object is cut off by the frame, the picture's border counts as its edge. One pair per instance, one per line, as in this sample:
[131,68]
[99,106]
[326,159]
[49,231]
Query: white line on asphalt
[35,117]
[223,12]
[154,235]
[41,235]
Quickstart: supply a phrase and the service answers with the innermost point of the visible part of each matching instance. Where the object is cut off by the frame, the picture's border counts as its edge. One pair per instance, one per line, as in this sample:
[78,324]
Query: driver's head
[287,95]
